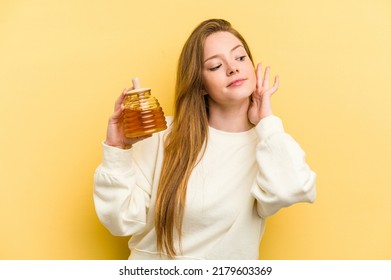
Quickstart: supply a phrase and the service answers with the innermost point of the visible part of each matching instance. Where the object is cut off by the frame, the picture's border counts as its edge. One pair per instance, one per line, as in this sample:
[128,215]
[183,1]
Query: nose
[232,69]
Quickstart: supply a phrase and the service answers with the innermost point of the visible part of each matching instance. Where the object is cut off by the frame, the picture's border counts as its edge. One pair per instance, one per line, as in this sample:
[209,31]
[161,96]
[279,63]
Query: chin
[245,92]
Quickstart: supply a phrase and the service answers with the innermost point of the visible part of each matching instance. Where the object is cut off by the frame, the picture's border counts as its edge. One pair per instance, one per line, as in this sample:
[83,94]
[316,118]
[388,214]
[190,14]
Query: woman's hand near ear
[260,106]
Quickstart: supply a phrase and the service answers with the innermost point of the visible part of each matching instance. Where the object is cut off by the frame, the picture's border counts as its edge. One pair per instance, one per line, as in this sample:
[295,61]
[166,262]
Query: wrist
[122,146]
[265,115]
[260,118]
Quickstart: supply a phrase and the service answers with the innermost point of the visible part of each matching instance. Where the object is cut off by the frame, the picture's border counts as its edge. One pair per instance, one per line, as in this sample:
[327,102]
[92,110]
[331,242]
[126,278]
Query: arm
[121,192]
[283,177]
[122,183]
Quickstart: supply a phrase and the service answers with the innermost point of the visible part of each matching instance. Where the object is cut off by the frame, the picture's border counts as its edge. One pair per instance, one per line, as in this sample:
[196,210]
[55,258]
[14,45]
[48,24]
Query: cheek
[206,83]
[253,80]
[210,82]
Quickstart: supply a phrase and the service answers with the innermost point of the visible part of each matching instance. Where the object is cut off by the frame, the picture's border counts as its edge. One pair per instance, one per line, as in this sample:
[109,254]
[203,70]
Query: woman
[203,188]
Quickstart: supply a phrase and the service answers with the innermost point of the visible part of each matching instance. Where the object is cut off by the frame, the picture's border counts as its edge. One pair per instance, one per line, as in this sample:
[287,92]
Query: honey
[142,114]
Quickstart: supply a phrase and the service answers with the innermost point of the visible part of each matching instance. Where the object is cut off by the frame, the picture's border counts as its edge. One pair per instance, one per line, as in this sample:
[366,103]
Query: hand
[115,134]
[260,106]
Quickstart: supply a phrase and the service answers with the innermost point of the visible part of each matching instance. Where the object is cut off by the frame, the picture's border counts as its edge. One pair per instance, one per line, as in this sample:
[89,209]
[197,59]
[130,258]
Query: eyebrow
[217,55]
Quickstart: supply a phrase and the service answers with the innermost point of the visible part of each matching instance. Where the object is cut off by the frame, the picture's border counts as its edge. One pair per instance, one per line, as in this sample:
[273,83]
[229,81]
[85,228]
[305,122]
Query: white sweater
[241,179]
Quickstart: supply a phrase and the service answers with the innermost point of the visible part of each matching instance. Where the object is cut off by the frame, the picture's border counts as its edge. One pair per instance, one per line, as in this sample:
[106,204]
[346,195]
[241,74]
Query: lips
[236,82]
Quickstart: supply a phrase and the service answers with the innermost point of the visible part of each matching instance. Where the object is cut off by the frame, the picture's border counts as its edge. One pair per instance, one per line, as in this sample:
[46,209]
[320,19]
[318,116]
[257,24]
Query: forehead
[220,42]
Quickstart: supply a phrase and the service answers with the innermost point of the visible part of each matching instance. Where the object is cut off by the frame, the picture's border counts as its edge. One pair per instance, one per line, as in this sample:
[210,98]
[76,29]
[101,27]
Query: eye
[215,68]
[241,58]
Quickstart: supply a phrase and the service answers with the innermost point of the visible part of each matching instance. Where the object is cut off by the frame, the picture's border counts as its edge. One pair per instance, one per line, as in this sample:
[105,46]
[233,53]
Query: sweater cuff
[268,126]
[116,159]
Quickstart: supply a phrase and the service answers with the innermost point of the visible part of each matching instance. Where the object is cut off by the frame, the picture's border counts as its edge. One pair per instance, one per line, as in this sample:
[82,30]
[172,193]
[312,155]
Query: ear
[204,92]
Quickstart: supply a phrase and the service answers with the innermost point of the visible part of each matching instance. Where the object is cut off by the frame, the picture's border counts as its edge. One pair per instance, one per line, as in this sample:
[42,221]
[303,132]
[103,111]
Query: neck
[229,118]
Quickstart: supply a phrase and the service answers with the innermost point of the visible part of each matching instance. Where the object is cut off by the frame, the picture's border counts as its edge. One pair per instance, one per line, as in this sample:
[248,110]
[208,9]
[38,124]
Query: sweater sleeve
[122,190]
[283,177]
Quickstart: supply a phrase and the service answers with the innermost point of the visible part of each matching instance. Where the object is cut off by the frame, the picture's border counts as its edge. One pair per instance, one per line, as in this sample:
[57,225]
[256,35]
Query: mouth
[237,82]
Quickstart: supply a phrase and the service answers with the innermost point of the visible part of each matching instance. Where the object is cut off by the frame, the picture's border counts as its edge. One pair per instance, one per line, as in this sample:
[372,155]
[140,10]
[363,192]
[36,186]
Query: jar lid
[136,87]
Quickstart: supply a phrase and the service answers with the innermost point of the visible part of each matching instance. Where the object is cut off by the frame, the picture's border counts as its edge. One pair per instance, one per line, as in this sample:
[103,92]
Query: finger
[275,85]
[120,100]
[117,114]
[259,75]
[276,81]
[266,78]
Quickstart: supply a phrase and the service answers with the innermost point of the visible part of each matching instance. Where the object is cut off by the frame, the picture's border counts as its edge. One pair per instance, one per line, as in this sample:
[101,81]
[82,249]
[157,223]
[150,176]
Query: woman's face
[228,73]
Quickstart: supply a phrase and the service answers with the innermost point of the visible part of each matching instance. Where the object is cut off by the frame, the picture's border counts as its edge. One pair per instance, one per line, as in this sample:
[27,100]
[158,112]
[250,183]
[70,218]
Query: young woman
[203,188]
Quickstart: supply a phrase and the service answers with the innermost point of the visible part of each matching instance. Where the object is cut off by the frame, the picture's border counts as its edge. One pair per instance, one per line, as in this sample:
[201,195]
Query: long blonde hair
[188,136]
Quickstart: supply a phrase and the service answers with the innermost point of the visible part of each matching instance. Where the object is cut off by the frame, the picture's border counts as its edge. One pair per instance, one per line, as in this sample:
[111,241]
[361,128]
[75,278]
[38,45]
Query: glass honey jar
[142,114]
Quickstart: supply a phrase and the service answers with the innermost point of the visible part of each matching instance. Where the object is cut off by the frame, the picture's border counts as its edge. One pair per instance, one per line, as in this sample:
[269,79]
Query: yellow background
[63,64]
